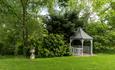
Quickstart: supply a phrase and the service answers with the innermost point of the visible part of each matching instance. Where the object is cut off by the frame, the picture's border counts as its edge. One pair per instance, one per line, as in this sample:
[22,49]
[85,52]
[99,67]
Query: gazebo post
[82,41]
[70,45]
[91,47]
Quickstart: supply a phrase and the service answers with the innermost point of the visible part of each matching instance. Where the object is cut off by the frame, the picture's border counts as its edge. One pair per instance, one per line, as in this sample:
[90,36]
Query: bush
[104,38]
[53,46]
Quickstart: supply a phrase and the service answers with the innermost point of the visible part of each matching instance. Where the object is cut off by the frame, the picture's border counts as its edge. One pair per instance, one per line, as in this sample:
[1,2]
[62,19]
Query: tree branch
[11,9]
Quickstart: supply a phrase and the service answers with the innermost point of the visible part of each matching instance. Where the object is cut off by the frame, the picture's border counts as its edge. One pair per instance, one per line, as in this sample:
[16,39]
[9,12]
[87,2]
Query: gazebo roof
[80,34]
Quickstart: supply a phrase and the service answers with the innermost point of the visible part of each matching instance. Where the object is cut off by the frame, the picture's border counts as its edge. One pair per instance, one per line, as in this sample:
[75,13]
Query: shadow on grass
[12,57]
[5,57]
[23,57]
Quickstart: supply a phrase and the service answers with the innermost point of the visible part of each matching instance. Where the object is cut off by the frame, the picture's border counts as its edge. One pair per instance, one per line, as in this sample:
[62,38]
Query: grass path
[99,62]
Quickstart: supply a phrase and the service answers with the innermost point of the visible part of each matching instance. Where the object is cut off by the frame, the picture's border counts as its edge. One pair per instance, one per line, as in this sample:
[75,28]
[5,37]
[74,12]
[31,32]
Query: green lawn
[98,62]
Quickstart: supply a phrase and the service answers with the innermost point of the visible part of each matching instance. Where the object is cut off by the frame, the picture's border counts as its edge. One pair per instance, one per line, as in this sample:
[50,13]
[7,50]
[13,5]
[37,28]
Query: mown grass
[98,62]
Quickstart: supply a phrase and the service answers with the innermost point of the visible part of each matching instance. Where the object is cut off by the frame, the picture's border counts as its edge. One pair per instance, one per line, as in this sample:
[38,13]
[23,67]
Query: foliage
[23,27]
[13,24]
[63,24]
[103,37]
[53,45]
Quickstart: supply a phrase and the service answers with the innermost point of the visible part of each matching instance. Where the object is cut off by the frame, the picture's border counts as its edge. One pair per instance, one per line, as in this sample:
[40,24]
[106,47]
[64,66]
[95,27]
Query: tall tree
[21,18]
[24,4]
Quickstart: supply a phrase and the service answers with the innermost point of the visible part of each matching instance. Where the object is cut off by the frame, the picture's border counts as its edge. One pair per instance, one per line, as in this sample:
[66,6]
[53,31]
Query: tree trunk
[24,26]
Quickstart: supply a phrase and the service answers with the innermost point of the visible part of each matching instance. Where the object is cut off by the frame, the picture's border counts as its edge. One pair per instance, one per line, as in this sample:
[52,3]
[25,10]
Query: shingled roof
[80,34]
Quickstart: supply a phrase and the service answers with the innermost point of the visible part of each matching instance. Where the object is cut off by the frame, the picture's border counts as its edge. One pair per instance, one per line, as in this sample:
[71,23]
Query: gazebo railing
[77,51]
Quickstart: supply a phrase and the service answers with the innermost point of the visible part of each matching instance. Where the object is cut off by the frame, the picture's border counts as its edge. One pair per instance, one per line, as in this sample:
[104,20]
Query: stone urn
[32,51]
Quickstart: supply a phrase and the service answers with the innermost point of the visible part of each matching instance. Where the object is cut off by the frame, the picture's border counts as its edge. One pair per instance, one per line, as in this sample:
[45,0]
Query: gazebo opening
[81,43]
[76,43]
[86,47]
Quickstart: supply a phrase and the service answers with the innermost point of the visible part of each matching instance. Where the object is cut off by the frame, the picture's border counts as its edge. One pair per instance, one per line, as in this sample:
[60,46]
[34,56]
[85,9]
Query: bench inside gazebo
[80,37]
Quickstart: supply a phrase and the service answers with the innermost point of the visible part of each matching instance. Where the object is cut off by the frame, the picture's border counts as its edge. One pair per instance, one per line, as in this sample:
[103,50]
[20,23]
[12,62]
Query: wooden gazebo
[79,49]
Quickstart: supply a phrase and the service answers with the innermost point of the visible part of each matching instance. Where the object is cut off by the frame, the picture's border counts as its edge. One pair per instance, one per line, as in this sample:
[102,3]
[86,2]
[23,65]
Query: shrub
[53,46]
[104,38]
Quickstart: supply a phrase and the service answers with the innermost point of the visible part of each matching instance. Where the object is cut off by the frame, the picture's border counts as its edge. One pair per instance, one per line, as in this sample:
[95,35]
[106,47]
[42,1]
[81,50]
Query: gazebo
[80,49]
